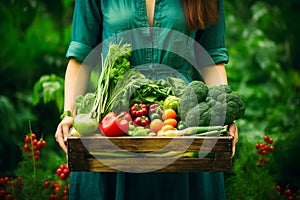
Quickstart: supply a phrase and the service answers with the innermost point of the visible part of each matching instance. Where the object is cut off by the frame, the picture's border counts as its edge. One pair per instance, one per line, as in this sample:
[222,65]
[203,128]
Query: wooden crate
[149,154]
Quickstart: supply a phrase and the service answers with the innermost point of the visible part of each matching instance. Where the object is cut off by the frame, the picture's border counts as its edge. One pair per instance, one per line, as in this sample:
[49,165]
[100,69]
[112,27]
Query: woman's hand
[62,132]
[233,131]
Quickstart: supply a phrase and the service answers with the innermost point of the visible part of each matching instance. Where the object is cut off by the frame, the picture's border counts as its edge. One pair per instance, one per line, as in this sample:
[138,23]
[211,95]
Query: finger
[233,131]
[60,139]
[233,151]
[66,132]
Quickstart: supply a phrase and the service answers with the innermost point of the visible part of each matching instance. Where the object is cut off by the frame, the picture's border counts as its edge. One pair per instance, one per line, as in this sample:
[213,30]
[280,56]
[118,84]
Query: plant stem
[32,152]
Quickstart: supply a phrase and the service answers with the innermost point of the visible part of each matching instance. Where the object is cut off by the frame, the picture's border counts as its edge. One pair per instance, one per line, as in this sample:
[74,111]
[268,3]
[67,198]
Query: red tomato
[112,125]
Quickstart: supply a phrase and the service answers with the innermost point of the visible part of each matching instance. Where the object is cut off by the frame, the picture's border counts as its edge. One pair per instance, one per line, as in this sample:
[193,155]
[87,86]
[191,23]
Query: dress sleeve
[86,29]
[212,38]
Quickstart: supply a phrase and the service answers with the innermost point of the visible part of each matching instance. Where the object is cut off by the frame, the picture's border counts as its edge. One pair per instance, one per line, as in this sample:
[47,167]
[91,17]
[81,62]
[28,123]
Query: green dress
[168,45]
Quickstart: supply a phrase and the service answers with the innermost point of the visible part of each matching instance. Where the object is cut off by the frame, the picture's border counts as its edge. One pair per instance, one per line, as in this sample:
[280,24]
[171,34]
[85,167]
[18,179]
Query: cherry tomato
[171,121]
[46,184]
[41,143]
[26,147]
[63,176]
[287,192]
[257,146]
[156,125]
[59,171]
[271,148]
[33,136]
[27,139]
[270,141]
[278,188]
[167,127]
[169,114]
[52,196]
[34,142]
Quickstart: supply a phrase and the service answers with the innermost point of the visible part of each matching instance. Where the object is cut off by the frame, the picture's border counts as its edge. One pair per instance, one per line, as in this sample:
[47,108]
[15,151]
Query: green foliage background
[263,43]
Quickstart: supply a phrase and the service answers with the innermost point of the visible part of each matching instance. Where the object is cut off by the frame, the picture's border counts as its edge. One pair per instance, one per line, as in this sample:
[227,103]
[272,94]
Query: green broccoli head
[198,115]
[215,91]
[200,89]
[194,93]
[235,107]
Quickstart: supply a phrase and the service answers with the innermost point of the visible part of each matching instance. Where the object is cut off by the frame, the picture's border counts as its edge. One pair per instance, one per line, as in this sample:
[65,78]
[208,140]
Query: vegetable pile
[127,103]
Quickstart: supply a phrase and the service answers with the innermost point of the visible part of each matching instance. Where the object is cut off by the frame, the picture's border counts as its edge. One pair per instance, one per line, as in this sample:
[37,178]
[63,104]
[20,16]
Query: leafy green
[125,88]
[114,67]
[150,93]
[50,88]
[85,104]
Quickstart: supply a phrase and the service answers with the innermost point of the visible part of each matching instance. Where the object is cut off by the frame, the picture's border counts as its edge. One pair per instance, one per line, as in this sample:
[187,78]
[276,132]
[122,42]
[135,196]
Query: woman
[95,21]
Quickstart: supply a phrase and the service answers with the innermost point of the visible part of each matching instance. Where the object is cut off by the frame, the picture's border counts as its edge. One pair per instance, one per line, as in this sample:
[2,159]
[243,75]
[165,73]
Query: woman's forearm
[76,80]
[214,75]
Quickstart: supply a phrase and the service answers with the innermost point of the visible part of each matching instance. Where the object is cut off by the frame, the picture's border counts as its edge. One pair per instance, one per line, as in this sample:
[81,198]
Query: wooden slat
[154,165]
[80,147]
[148,144]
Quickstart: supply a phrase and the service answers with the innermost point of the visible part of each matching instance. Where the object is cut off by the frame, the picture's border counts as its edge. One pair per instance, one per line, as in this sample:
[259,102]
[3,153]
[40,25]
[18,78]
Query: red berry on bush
[33,136]
[34,142]
[43,143]
[52,197]
[6,179]
[263,152]
[287,192]
[63,176]
[46,184]
[270,141]
[56,190]
[26,147]
[2,193]
[36,157]
[278,188]
[271,148]
[266,138]
[290,198]
[8,196]
[266,161]
[27,139]
[259,165]
[37,152]
[59,171]
[257,146]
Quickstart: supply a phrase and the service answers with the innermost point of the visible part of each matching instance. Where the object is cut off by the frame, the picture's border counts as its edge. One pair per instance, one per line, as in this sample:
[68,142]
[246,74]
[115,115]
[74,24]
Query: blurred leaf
[50,88]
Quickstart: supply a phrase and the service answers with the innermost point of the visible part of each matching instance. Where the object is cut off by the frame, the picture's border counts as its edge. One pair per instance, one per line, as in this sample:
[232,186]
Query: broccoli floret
[198,115]
[215,91]
[235,107]
[223,108]
[200,89]
[194,93]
